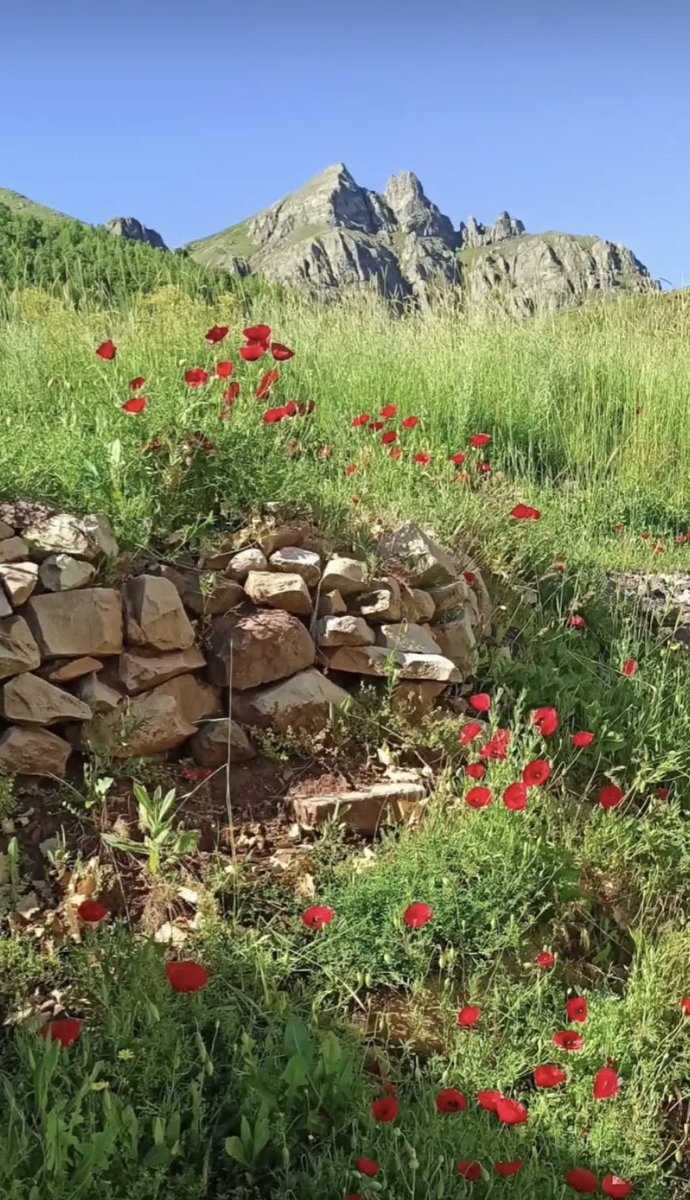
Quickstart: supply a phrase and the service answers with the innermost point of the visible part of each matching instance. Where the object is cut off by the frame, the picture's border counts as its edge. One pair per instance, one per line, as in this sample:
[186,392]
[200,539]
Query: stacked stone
[121,670]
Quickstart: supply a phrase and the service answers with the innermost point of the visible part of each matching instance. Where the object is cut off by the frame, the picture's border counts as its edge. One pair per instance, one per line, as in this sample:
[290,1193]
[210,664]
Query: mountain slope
[331,234]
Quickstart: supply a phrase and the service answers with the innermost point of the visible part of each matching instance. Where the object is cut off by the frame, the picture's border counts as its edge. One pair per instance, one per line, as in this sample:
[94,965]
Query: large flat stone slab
[72,624]
[379,660]
[33,752]
[303,701]
[363,811]
[29,700]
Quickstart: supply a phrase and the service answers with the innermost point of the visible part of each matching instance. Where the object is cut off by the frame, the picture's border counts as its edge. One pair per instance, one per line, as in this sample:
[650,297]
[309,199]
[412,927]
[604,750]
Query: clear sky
[572,114]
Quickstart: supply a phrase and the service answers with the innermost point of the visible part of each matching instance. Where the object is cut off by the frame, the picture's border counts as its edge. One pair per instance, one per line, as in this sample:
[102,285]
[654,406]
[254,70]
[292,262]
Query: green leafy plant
[164,841]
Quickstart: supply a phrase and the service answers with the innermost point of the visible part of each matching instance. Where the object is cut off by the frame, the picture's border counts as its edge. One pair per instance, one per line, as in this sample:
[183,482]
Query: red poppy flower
[685,1005]
[610,796]
[548,1075]
[488,1100]
[317,916]
[350,1196]
[577,1009]
[368,1166]
[582,740]
[422,458]
[524,512]
[389,410]
[196,377]
[196,774]
[107,351]
[576,622]
[410,422]
[535,774]
[629,667]
[546,960]
[216,334]
[475,771]
[291,409]
[568,1039]
[484,468]
[479,797]
[186,976]
[470,731]
[613,1185]
[471,1171]
[469,577]
[281,353]
[458,458]
[515,797]
[65,1030]
[230,394]
[253,352]
[376,426]
[351,469]
[388,438]
[507,1169]
[385,1110]
[363,419]
[479,440]
[135,384]
[257,333]
[93,912]
[496,749]
[662,793]
[467,1017]
[451,1101]
[266,384]
[481,702]
[511,1112]
[273,416]
[546,721]
[395,453]
[224,369]
[416,916]
[583,1181]
[136,406]
[606,1084]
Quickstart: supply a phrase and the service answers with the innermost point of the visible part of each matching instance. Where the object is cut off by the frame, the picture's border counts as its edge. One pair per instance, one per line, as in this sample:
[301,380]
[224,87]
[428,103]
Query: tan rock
[196,701]
[245,561]
[378,660]
[344,631]
[100,697]
[58,534]
[286,535]
[409,638]
[6,531]
[18,649]
[205,593]
[149,724]
[6,609]
[29,700]
[451,598]
[258,648]
[295,560]
[305,700]
[62,573]
[330,604]
[363,811]
[382,603]
[99,533]
[288,592]
[219,742]
[33,752]
[425,562]
[73,668]
[13,549]
[416,605]
[345,575]
[481,599]
[414,699]
[155,615]
[458,642]
[70,624]
[139,671]
[19,580]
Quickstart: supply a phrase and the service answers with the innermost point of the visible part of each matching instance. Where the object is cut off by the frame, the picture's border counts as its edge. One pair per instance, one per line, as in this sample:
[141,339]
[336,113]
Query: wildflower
[266,384]
[497,748]
[422,458]
[511,1112]
[467,1017]
[484,468]
[606,1084]
[257,333]
[186,976]
[224,369]
[629,667]
[685,1005]
[582,740]
[662,793]
[291,409]
[363,419]
[577,1009]
[92,912]
[569,1040]
[281,353]
[351,469]
[318,916]
[135,384]
[410,422]
[356,499]
[65,1030]
[546,721]
[136,406]
[368,1166]
[576,622]
[216,334]
[619,527]
[230,394]
[536,774]
[481,702]
[610,796]
[385,1109]
[325,452]
[458,459]
[253,352]
[479,440]
[451,1101]
[583,1181]
[549,1075]
[475,771]
[524,512]
[273,416]
[469,577]
[376,426]
[488,1100]
[389,437]
[471,1171]
[196,377]
[389,410]
[479,797]
[416,916]
[515,797]
[613,1185]
[107,351]
[507,1169]
[470,731]
[546,960]
[395,453]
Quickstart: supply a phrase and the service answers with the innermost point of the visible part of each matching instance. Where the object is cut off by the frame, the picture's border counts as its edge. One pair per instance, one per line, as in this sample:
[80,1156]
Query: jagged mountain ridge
[332,235]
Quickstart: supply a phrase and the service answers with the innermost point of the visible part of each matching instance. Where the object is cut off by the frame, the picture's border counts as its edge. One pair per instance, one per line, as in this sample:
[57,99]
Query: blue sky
[192,116]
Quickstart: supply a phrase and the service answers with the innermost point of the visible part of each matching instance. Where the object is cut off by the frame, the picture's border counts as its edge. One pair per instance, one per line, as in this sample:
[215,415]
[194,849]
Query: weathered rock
[458,642]
[205,593]
[452,598]
[363,811]
[377,660]
[132,230]
[380,604]
[149,724]
[345,575]
[58,534]
[139,671]
[196,701]
[18,649]
[303,701]
[33,752]
[288,592]
[293,559]
[62,573]
[344,631]
[476,234]
[100,535]
[13,549]
[100,697]
[6,609]
[330,604]
[409,638]
[6,531]
[72,668]
[480,599]
[426,564]
[414,699]
[259,647]
[286,535]
[219,742]
[29,700]
[67,624]
[416,605]
[155,615]
[245,561]
[19,580]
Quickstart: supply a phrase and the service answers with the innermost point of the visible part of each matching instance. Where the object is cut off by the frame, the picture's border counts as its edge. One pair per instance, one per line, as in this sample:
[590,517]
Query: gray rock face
[332,236]
[134,231]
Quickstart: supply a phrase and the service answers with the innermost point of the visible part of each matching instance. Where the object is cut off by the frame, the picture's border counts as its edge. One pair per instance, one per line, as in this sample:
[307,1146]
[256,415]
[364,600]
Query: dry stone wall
[275,634]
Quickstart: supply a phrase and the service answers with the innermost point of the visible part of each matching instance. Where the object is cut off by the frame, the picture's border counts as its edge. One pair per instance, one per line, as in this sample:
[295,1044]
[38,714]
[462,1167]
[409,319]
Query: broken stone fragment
[6,609]
[330,604]
[293,559]
[99,696]
[138,671]
[451,598]
[457,641]
[6,531]
[218,742]
[13,549]
[245,561]
[29,700]
[344,631]
[62,573]
[155,615]
[416,605]
[363,811]
[288,592]
[33,752]
[196,700]
[70,624]
[100,535]
[304,701]
[72,668]
[18,649]
[19,580]
[149,724]
[258,647]
[378,660]
[205,593]
[382,603]
[286,535]
[58,534]
[414,699]
[426,564]
[408,637]
[345,575]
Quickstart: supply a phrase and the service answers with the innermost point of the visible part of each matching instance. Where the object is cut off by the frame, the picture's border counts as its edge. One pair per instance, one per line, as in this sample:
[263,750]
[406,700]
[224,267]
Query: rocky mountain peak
[134,231]
[414,212]
[475,234]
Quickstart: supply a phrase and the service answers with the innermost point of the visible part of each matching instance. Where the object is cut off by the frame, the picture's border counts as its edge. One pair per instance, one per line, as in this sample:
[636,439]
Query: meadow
[373,1051]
